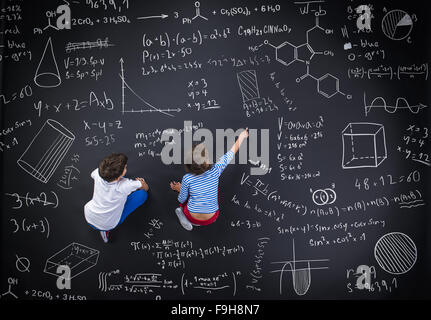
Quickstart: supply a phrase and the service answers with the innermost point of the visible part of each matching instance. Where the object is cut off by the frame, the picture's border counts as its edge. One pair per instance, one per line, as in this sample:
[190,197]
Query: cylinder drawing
[46,150]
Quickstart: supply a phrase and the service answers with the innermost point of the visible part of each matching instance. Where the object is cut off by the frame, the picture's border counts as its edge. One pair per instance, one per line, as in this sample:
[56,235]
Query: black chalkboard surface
[336,94]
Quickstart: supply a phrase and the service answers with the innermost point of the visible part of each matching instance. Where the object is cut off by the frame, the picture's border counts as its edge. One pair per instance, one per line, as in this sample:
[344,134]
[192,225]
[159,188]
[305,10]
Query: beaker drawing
[46,150]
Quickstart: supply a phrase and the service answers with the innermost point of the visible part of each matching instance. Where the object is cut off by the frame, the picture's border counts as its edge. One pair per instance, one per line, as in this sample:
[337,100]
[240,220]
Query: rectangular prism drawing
[77,257]
[46,150]
[364,145]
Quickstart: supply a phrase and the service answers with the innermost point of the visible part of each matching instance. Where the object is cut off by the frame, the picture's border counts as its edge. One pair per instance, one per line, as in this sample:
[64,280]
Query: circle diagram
[324,196]
[397,24]
[395,253]
[22,264]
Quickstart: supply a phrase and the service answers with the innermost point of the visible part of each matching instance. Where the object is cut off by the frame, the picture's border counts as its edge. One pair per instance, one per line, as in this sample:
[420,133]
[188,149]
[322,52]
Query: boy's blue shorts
[134,200]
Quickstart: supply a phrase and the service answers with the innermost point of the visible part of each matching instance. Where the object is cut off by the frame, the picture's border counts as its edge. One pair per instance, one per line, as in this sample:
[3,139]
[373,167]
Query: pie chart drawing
[397,24]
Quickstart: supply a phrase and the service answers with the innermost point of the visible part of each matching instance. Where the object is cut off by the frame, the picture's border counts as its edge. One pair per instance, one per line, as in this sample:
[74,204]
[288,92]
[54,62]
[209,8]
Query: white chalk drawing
[287,53]
[344,32]
[305,7]
[406,204]
[324,196]
[301,277]
[103,283]
[216,285]
[11,282]
[47,74]
[395,253]
[50,25]
[364,145]
[46,151]
[400,103]
[198,11]
[161,16]
[22,264]
[247,81]
[99,43]
[77,257]
[397,24]
[146,107]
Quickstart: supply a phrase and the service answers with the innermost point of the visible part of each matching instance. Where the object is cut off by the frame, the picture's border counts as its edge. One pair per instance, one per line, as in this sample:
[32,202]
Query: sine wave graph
[400,104]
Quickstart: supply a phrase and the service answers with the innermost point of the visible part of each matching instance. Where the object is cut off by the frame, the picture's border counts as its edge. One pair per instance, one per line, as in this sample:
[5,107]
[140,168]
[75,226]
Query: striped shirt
[202,189]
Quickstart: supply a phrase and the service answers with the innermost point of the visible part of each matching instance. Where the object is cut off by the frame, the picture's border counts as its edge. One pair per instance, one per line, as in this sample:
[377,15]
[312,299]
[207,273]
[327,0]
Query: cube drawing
[364,145]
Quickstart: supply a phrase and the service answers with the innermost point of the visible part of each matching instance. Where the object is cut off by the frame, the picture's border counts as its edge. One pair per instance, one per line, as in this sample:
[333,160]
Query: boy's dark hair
[203,166]
[112,166]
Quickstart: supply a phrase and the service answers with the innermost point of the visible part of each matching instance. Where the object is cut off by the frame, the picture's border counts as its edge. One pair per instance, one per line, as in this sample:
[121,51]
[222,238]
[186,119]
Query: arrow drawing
[162,16]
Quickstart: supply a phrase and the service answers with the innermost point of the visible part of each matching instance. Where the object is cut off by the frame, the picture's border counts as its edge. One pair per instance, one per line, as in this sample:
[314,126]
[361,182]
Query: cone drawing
[47,74]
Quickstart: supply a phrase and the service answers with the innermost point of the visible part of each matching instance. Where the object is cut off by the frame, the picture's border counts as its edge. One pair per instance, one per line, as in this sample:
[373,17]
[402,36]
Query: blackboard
[341,211]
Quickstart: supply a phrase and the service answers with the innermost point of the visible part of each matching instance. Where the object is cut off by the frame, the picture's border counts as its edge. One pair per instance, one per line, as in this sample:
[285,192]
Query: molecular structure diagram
[286,53]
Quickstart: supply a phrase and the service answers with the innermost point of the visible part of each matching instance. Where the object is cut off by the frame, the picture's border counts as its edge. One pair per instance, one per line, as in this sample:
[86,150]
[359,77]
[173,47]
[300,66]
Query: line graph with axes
[145,107]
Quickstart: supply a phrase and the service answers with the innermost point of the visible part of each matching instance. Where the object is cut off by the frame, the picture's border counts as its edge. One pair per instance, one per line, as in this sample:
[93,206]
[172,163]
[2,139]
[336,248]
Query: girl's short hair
[112,166]
[198,160]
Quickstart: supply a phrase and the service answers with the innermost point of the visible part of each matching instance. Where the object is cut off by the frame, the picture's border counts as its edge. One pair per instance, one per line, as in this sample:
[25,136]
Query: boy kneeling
[114,196]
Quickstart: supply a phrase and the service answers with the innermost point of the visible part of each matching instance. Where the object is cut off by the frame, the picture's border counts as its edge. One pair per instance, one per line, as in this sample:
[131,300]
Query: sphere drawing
[395,252]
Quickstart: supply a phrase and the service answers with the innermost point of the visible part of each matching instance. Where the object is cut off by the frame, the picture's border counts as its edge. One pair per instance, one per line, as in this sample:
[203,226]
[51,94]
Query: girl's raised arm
[237,144]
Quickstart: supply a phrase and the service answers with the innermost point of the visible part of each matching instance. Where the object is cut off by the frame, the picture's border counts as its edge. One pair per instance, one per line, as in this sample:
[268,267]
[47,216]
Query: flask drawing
[47,74]
[46,150]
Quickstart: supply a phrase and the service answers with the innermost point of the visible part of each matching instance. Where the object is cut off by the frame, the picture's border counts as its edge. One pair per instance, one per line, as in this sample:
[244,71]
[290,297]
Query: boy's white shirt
[105,208]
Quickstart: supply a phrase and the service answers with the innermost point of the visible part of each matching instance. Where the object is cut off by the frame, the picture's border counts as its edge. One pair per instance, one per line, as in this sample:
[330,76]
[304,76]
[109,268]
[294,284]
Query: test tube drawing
[301,276]
[247,81]
[46,150]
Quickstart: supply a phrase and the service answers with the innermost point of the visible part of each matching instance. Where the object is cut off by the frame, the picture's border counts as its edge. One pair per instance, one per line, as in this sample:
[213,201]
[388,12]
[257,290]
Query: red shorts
[197,221]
